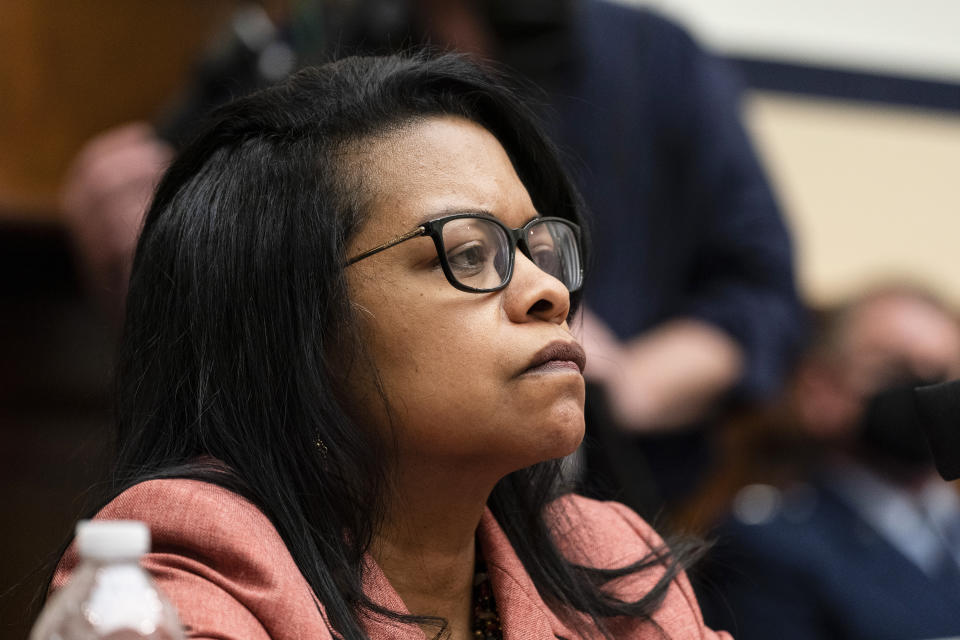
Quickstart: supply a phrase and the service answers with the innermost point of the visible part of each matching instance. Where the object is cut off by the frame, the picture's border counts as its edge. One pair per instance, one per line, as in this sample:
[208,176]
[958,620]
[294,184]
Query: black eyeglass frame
[516,237]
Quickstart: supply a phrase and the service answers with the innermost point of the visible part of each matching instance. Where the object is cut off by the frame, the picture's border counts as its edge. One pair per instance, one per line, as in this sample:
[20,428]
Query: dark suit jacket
[684,224]
[817,570]
[685,221]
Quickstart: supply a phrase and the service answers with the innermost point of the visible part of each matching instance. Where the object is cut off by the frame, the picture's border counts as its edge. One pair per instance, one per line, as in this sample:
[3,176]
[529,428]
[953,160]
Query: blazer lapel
[382,593]
[523,613]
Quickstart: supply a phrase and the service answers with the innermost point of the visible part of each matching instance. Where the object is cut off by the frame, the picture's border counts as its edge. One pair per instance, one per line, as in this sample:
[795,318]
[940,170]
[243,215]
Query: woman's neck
[427,545]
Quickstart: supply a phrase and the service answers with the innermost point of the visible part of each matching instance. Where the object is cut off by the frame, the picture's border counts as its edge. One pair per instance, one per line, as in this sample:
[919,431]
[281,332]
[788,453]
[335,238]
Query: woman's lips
[555,366]
[558,357]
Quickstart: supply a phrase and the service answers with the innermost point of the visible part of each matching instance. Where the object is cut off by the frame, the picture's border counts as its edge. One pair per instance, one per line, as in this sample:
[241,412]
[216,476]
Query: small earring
[321,446]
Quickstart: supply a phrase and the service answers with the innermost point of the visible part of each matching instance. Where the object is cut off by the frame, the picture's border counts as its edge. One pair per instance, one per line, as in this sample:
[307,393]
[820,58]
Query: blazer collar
[523,613]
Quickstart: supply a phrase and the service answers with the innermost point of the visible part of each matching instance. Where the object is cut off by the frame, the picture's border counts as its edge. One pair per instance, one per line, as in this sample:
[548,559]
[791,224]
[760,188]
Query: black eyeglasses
[477,251]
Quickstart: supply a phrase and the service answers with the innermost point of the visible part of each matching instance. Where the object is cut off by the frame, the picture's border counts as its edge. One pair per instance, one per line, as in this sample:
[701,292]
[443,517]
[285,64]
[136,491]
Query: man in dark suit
[869,545]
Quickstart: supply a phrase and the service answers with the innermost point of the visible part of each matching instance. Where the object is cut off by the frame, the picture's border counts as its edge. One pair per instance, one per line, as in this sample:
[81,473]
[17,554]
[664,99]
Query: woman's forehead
[438,166]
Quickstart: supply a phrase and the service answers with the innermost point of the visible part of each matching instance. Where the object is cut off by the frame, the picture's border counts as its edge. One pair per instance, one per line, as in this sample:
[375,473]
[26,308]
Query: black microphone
[938,412]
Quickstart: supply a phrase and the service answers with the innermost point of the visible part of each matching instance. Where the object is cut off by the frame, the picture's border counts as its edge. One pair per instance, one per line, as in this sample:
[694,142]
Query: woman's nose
[533,294]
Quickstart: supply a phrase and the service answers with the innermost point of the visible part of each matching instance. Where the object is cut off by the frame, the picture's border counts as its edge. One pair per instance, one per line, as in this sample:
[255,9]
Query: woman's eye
[467,258]
[546,258]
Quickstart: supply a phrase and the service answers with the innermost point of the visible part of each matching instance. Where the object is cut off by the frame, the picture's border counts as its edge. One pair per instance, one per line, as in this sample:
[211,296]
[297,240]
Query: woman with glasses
[347,375]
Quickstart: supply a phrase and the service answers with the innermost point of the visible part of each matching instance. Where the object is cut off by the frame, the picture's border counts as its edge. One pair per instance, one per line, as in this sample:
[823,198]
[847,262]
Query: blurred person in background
[867,543]
[692,302]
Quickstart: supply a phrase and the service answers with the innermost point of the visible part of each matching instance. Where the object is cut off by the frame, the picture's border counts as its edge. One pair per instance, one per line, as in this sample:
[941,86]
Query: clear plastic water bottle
[109,596]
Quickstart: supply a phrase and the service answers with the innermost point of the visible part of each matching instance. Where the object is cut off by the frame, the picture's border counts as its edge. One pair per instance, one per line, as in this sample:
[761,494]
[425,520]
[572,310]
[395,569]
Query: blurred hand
[667,378]
[105,194]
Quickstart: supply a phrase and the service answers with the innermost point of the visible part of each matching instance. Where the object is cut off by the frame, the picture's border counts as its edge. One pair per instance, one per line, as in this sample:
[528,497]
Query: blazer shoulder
[609,535]
[193,510]
[602,534]
[220,560]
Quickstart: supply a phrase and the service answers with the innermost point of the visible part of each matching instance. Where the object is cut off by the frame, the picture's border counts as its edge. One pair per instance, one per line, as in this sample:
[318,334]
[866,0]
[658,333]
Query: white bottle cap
[112,539]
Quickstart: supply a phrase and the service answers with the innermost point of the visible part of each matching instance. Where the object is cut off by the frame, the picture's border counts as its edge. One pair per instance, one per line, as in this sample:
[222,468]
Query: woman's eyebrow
[452,211]
[533,217]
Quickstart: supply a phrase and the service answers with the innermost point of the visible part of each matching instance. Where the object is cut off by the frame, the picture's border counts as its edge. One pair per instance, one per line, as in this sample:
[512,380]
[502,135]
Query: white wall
[920,38]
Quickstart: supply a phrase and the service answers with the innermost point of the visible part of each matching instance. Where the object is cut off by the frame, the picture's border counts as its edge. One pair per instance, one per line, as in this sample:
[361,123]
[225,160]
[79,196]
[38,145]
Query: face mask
[938,406]
[891,428]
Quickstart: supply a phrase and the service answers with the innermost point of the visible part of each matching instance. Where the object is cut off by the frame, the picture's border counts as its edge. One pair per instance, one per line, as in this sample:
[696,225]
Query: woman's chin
[569,440]
[559,437]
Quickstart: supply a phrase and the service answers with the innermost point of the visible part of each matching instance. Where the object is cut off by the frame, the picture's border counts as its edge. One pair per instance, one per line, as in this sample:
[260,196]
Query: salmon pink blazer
[225,567]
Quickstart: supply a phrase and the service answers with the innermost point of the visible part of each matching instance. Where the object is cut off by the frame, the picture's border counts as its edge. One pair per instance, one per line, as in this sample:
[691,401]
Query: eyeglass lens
[478,252]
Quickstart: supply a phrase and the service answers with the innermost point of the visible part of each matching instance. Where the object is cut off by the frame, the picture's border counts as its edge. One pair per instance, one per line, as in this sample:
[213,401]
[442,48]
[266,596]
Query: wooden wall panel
[71,68]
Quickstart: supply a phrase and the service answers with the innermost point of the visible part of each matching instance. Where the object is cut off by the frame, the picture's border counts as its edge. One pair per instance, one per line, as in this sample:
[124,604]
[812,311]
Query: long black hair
[238,302]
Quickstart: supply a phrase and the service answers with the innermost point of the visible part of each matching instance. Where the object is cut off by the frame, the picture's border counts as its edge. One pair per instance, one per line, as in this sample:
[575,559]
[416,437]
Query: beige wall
[870,192]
